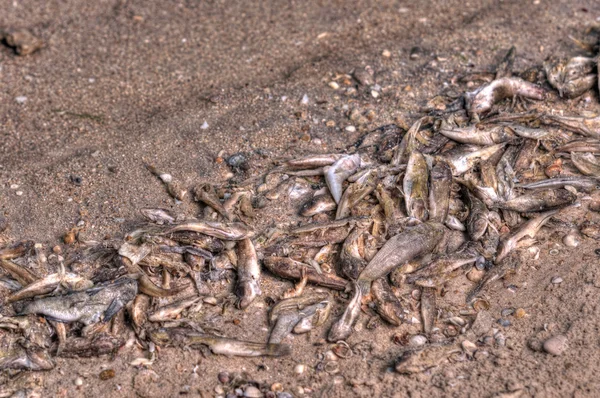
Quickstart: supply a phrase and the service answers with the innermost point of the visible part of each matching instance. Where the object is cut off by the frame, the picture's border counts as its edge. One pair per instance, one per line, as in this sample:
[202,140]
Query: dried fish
[49,284]
[416,187]
[173,187]
[355,192]
[207,194]
[528,229]
[100,344]
[477,222]
[218,344]
[586,163]
[586,126]
[342,328]
[352,254]
[171,311]
[387,304]
[159,216]
[428,308]
[318,204]
[286,314]
[339,172]
[479,135]
[572,77]
[583,183]
[440,185]
[226,231]
[98,304]
[311,162]
[30,359]
[288,268]
[247,288]
[541,200]
[463,162]
[482,99]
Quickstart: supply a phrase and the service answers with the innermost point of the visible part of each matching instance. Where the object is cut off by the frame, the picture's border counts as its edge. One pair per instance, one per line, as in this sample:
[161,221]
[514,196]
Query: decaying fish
[477,221]
[352,254]
[288,268]
[463,162]
[225,231]
[171,311]
[542,200]
[339,172]
[98,304]
[416,187]
[586,163]
[318,204]
[173,187]
[342,328]
[482,99]
[528,229]
[387,304]
[440,185]
[207,194]
[582,183]
[587,145]
[421,360]
[428,308]
[159,216]
[247,288]
[49,284]
[355,192]
[286,314]
[572,77]
[218,344]
[400,249]
[99,344]
[586,126]
[311,162]
[478,135]
[30,359]
[318,235]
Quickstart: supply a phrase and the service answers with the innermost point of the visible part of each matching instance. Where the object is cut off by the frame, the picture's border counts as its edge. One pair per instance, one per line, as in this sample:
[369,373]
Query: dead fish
[298,288]
[454,223]
[22,275]
[528,229]
[318,235]
[482,99]
[210,243]
[387,304]
[352,254]
[443,265]
[478,135]
[463,162]
[98,304]
[582,183]
[428,308]
[477,221]
[225,231]
[586,126]
[440,184]
[527,132]
[173,187]
[318,204]
[418,361]
[219,345]
[311,162]
[342,328]
[388,204]
[356,192]
[586,163]
[286,314]
[288,268]
[30,359]
[408,144]
[339,172]
[416,187]
[138,313]
[505,173]
[97,345]
[171,311]
[49,284]
[590,145]
[159,216]
[311,322]
[207,194]
[247,288]
[571,77]
[400,249]
[541,200]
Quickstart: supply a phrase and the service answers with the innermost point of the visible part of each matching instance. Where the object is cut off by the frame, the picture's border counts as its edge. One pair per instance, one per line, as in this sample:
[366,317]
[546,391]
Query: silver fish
[226,231]
[482,99]
[339,172]
[583,183]
[49,284]
[478,135]
[247,288]
[463,162]
[159,216]
[416,187]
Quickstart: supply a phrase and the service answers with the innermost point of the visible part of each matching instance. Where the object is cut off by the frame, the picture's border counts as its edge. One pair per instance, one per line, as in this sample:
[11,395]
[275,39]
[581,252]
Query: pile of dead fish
[457,193]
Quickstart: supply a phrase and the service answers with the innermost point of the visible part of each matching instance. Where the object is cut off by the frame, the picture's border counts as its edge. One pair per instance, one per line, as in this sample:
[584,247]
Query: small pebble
[57,249]
[79,381]
[469,346]
[417,340]
[252,392]
[107,374]
[556,345]
[223,377]
[571,240]
[304,100]
[520,313]
[334,85]
[386,53]
[475,275]
[204,125]
[557,280]
[284,395]
[19,193]
[21,99]
[350,129]
[504,322]
[507,312]
[277,387]
[299,369]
